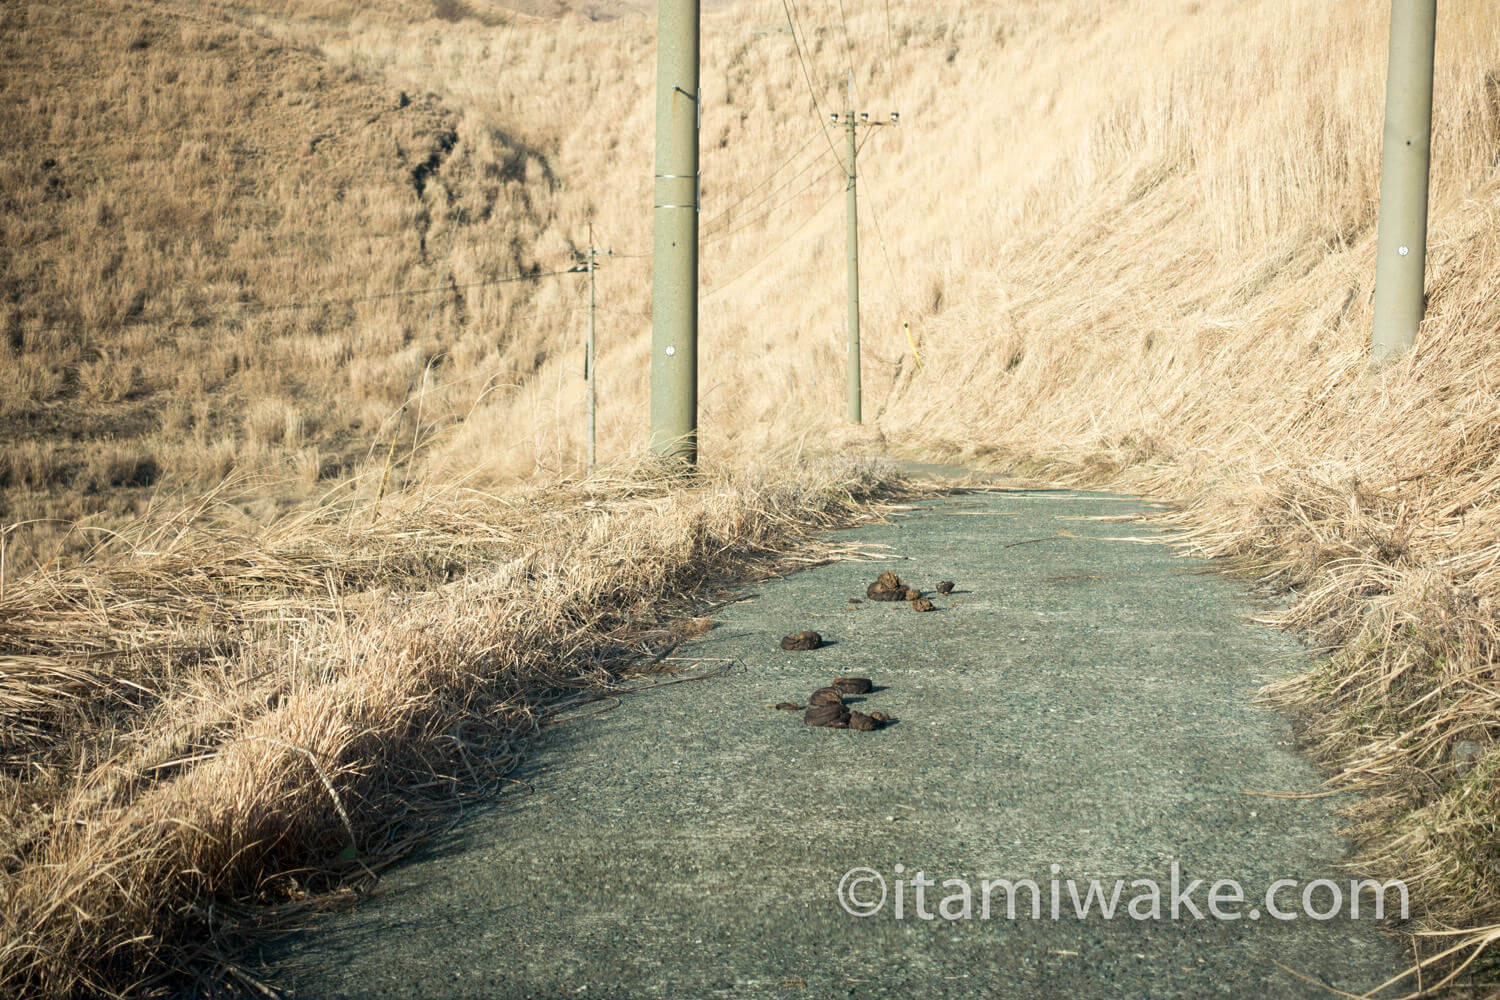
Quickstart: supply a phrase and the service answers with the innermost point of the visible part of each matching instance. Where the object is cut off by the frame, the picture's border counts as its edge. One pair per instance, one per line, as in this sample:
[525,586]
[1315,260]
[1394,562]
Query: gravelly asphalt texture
[1083,700]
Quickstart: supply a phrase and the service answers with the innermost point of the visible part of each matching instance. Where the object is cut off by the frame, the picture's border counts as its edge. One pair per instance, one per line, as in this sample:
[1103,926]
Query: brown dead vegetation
[1148,255]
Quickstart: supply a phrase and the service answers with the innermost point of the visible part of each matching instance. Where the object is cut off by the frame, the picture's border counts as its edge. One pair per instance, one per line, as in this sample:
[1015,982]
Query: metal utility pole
[851,211]
[674,274]
[589,360]
[590,264]
[1401,252]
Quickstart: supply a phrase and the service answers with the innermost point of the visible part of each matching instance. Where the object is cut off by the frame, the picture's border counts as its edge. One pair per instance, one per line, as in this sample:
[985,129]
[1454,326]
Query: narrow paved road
[1084,700]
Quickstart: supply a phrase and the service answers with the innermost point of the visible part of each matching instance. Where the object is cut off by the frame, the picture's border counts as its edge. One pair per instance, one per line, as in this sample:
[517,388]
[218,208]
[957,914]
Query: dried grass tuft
[281,707]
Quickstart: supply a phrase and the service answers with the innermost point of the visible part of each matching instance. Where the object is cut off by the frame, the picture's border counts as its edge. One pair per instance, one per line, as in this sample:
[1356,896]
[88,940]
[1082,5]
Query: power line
[880,234]
[806,75]
[252,308]
[766,180]
[618,254]
[760,215]
[755,209]
[434,389]
[716,289]
[848,42]
[799,30]
[898,281]
[767,213]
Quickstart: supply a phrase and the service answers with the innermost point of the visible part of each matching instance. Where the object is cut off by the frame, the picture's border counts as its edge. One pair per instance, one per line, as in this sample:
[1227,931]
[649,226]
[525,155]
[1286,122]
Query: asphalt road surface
[1083,700]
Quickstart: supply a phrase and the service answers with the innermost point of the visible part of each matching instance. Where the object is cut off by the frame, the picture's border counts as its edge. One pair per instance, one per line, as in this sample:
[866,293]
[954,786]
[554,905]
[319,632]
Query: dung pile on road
[801,641]
[826,707]
[890,588]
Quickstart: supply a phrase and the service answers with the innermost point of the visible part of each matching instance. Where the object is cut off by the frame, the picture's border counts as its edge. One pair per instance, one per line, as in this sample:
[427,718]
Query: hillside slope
[211,244]
[1134,242]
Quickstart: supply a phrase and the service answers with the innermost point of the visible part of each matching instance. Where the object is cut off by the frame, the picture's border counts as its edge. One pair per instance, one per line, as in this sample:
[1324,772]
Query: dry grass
[203,227]
[206,725]
[1143,235]
[1135,243]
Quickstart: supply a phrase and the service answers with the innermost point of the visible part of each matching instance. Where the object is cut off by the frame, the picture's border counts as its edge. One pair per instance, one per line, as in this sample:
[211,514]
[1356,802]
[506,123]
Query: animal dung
[802,640]
[833,716]
[826,696]
[912,593]
[945,587]
[826,707]
[922,604]
[887,587]
[868,723]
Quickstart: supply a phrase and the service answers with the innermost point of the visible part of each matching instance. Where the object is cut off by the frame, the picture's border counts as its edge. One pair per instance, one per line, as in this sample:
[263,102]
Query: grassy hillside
[1134,242]
[211,238]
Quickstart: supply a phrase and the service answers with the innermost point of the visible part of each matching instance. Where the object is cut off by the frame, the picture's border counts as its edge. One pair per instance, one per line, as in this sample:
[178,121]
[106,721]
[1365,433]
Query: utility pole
[674,272]
[852,121]
[1401,251]
[851,223]
[589,360]
[590,264]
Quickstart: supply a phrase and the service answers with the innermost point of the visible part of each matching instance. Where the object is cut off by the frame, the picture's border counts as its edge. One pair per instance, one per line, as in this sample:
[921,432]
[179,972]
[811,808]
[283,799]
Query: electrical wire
[766,180]
[252,308]
[848,42]
[416,361]
[880,235]
[716,289]
[615,254]
[724,235]
[806,75]
[767,213]
[898,281]
[754,209]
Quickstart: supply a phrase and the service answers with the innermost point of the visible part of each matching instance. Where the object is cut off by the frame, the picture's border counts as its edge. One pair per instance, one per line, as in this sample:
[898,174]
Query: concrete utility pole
[674,285]
[851,210]
[589,360]
[590,264]
[1401,253]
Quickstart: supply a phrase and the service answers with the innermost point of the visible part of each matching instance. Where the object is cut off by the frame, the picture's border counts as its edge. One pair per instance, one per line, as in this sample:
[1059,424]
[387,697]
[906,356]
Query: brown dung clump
[831,716]
[826,696]
[887,587]
[801,641]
